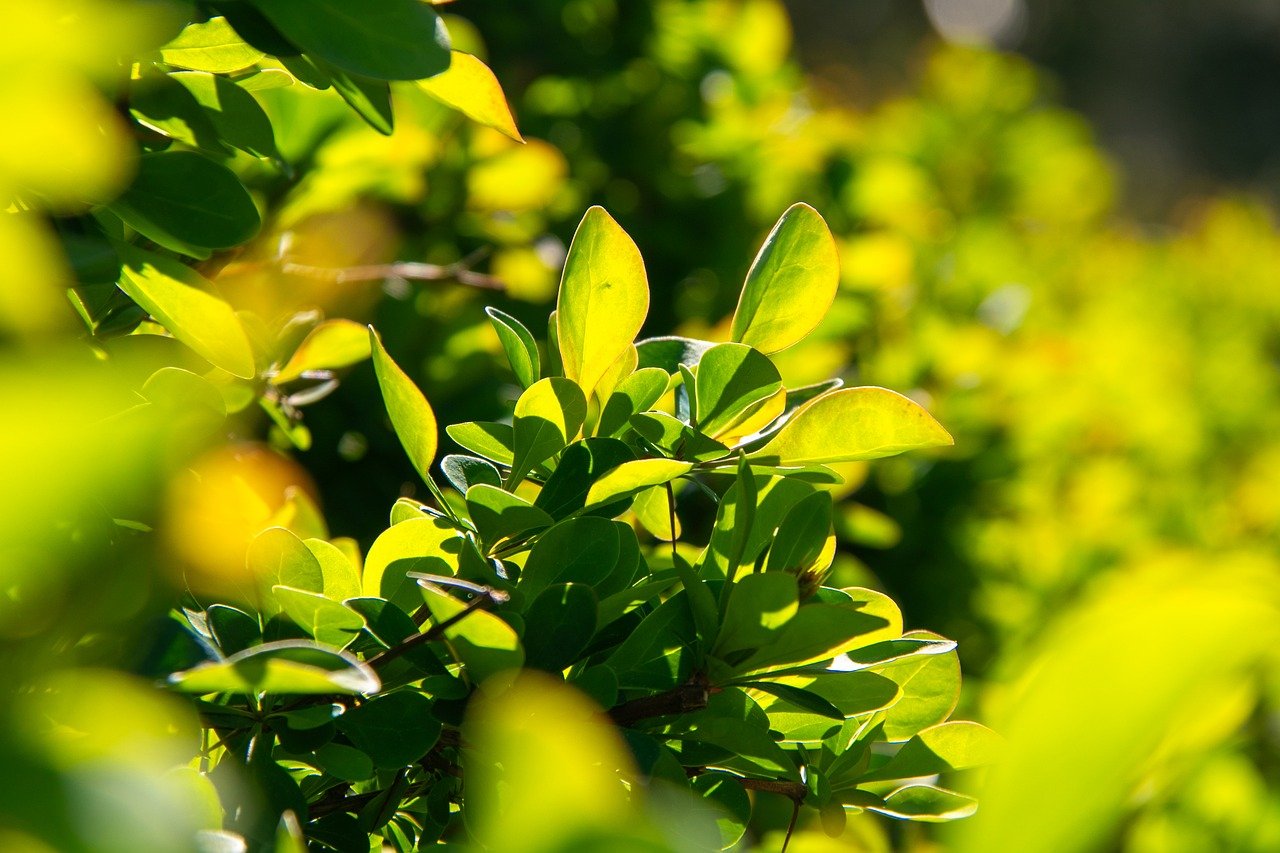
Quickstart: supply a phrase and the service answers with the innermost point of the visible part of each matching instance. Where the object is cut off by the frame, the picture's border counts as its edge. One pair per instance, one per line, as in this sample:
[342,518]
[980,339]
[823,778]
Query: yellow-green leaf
[631,477]
[330,345]
[603,300]
[411,414]
[178,298]
[427,545]
[469,87]
[791,283]
[852,424]
[210,45]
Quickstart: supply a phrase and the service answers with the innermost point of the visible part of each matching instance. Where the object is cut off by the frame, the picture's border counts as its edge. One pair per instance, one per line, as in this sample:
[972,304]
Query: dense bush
[1111,387]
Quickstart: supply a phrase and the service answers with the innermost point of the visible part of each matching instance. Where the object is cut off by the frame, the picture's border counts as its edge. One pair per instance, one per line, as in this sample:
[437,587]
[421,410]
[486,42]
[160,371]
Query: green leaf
[702,604]
[330,345]
[548,416]
[176,296]
[394,730]
[956,745]
[182,199]
[887,651]
[286,667]
[341,578]
[676,438]
[731,379]
[745,527]
[759,606]
[655,656]
[754,751]
[797,697]
[388,40]
[428,545]
[369,97]
[669,352]
[930,690]
[239,120]
[277,557]
[486,438]
[729,803]
[581,464]
[347,763]
[411,414]
[463,472]
[519,345]
[211,46]
[471,88]
[632,477]
[802,534]
[159,102]
[817,632]
[483,643]
[233,629]
[603,299]
[500,515]
[926,803]
[852,693]
[635,394]
[790,285]
[852,424]
[559,625]
[582,550]
[325,620]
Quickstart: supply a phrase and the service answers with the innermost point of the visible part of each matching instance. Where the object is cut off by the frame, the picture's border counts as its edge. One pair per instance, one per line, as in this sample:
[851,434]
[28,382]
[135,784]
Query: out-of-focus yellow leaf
[520,178]
[471,88]
[32,277]
[546,766]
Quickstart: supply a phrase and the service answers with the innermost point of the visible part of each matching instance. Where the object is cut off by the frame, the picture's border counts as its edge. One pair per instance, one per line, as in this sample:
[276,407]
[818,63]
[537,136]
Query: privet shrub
[417,694]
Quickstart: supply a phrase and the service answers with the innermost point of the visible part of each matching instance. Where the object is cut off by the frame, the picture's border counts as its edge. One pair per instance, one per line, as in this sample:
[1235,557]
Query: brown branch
[690,696]
[407,270]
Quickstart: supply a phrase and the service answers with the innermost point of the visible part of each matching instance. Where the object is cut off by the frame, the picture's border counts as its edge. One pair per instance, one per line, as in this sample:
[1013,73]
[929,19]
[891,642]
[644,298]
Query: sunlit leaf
[331,345]
[411,414]
[759,606]
[483,643]
[548,416]
[470,88]
[324,619]
[499,515]
[428,545]
[927,803]
[463,472]
[289,666]
[603,300]
[519,345]
[631,477]
[177,296]
[633,395]
[369,97]
[210,45]
[731,379]
[237,117]
[802,534]
[278,557]
[341,578]
[790,285]
[956,745]
[491,440]
[852,424]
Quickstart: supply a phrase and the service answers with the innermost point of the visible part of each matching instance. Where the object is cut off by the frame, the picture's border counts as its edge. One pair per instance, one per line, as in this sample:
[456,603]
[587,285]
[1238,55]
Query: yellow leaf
[470,88]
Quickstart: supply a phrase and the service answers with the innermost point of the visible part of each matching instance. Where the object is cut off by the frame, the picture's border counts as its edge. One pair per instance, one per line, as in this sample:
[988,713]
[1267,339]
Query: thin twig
[485,596]
[407,270]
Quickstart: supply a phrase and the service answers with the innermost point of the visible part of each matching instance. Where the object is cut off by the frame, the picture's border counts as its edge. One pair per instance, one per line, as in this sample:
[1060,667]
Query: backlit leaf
[500,515]
[470,88]
[548,416]
[956,745]
[486,438]
[790,285]
[603,299]
[631,477]
[426,545]
[852,424]
[330,345]
[178,298]
[239,120]
[210,45]
[285,667]
[324,619]
[411,414]
[519,345]
[483,643]
[731,379]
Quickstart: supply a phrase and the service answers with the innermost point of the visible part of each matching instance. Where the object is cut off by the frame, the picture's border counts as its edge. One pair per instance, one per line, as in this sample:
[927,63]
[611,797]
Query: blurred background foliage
[1097,325]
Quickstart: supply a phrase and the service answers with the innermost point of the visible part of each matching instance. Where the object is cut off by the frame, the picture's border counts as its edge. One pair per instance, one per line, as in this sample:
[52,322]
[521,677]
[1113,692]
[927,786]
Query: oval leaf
[330,345]
[548,416]
[852,424]
[603,299]
[519,345]
[790,285]
[411,414]
[176,296]
[470,88]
